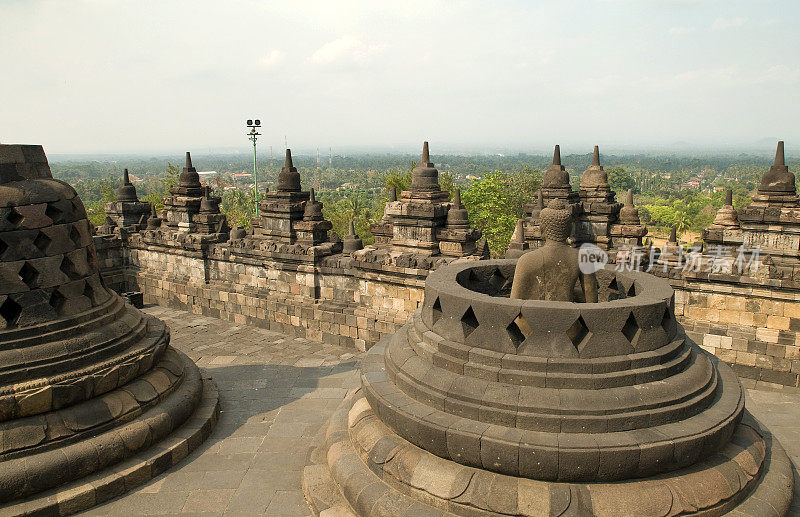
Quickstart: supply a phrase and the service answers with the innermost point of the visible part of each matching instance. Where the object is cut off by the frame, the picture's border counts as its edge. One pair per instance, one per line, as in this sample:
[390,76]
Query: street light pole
[253,135]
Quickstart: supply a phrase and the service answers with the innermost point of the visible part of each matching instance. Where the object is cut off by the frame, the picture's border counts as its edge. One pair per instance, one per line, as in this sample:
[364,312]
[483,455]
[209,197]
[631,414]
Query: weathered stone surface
[69,353]
[655,417]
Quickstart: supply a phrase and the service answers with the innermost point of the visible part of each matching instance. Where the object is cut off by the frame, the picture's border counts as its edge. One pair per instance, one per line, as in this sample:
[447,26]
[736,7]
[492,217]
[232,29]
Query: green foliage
[489,205]
[358,186]
[448,183]
[398,180]
[361,207]
[621,181]
[686,210]
[238,207]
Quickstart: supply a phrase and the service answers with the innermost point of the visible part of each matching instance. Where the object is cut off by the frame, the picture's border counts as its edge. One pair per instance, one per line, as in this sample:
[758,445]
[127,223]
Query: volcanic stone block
[597,429]
[71,352]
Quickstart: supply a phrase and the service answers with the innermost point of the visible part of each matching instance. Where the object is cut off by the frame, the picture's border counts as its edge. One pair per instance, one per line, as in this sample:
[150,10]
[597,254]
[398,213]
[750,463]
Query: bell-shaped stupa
[89,386]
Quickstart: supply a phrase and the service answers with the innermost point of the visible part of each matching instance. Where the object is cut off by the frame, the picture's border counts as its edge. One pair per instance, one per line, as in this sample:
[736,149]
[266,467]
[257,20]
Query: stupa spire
[126,192]
[779,157]
[424,176]
[729,197]
[289,178]
[596,156]
[426,158]
[188,176]
[629,197]
[673,234]
[557,155]
[352,242]
[519,233]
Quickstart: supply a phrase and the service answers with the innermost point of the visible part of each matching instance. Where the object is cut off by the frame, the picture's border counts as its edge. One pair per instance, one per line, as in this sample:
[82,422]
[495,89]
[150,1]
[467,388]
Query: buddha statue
[551,271]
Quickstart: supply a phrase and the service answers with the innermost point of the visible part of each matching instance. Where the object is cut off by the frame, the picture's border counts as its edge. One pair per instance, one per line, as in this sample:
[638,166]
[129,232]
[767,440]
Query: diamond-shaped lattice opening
[614,291]
[436,310]
[42,241]
[53,212]
[577,333]
[68,268]
[75,236]
[57,300]
[14,217]
[632,290]
[631,328]
[3,247]
[28,274]
[497,281]
[10,311]
[518,330]
[667,322]
[469,322]
[88,291]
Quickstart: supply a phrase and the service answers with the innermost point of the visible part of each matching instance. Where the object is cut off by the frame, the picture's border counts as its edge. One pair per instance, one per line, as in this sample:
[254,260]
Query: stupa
[420,222]
[486,405]
[599,207]
[555,182]
[127,211]
[777,188]
[93,400]
[183,203]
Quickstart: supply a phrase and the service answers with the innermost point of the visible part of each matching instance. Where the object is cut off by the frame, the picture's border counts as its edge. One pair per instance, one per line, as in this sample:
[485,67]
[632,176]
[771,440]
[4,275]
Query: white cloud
[344,50]
[680,31]
[721,24]
[274,58]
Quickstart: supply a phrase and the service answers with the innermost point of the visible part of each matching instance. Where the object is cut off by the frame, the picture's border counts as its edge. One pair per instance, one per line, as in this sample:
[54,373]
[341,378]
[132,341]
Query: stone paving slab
[276,394]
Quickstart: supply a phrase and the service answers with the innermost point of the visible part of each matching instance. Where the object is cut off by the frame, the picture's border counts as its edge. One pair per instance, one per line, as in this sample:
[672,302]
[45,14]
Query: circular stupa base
[151,424]
[483,404]
[363,468]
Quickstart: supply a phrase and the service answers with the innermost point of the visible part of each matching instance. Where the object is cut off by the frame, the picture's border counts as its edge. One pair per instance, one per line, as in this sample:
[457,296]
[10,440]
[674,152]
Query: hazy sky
[155,76]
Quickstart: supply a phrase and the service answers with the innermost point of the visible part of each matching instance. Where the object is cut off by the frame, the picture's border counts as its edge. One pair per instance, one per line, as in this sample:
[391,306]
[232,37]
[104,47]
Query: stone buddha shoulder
[551,272]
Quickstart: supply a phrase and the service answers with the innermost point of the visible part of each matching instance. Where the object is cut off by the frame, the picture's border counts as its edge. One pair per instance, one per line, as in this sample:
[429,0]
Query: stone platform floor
[276,393]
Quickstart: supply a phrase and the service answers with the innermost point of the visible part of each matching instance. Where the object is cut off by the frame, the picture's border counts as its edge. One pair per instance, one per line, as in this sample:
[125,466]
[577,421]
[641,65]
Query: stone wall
[333,302]
[750,326]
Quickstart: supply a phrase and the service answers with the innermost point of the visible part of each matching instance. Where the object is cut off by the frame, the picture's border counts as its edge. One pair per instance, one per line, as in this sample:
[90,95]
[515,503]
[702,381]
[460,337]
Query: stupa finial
[426,158]
[188,160]
[779,157]
[729,197]
[596,156]
[557,155]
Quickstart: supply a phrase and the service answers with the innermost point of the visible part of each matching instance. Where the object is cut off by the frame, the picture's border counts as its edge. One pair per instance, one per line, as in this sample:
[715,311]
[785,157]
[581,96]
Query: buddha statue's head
[555,221]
